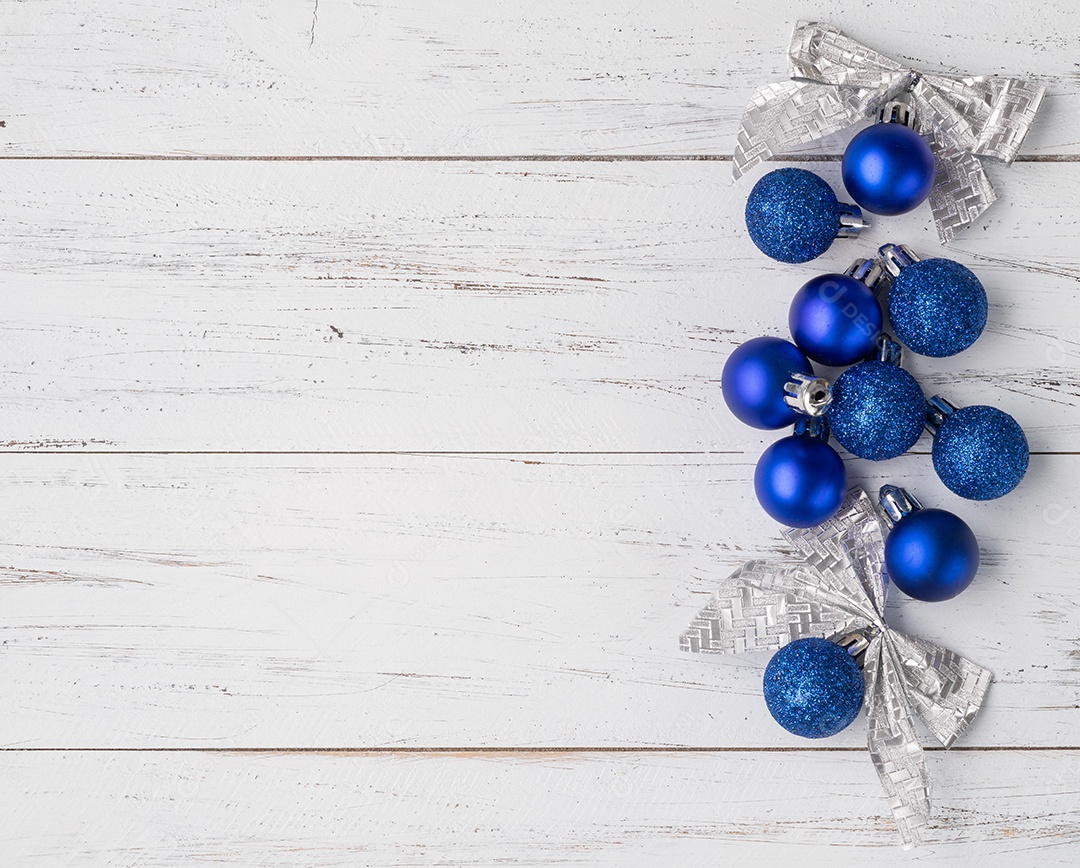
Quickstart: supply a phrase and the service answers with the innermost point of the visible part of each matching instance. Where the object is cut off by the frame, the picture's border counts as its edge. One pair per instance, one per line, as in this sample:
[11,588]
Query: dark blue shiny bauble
[937,307]
[754,378]
[888,169]
[835,320]
[877,410]
[800,481]
[980,452]
[931,555]
[792,215]
[813,688]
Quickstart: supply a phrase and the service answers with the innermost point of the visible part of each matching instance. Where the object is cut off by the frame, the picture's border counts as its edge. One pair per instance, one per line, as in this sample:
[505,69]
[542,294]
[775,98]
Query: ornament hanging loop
[867,271]
[897,112]
[852,221]
[889,351]
[896,257]
[937,411]
[856,644]
[813,426]
[808,395]
[896,502]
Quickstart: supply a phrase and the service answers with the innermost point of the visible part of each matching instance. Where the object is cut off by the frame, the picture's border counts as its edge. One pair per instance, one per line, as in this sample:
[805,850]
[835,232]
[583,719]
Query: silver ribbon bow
[836,81]
[837,589]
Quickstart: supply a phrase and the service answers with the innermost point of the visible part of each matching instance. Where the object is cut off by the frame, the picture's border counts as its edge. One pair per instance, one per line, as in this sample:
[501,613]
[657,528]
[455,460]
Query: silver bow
[836,81]
[837,589]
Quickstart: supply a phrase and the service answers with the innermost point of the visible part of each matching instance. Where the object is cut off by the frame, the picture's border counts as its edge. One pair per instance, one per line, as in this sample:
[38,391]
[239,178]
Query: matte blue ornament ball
[792,215]
[813,688]
[980,452]
[877,410]
[754,377]
[931,555]
[937,307]
[888,169]
[800,481]
[835,319]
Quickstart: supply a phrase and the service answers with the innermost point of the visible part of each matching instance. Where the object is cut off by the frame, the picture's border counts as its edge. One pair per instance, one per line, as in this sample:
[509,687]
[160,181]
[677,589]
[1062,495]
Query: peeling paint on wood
[414,306]
[360,377]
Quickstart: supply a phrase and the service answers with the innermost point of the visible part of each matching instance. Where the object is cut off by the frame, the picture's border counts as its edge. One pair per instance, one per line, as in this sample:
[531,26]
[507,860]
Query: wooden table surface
[364,454]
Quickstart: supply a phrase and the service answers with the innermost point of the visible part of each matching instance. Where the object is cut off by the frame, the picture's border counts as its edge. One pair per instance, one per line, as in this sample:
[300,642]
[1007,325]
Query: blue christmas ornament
[813,688]
[800,481]
[835,318]
[889,168]
[979,452]
[793,216]
[937,307]
[930,554]
[769,383]
[877,410]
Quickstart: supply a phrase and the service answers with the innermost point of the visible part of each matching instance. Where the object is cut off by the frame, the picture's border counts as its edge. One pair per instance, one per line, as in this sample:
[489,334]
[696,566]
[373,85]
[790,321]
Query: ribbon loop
[836,588]
[836,81]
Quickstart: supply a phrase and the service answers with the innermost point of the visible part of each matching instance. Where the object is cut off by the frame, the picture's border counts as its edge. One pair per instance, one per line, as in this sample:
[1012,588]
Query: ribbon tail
[987,115]
[849,550]
[785,114]
[960,194]
[893,744]
[965,119]
[763,606]
[1012,112]
[945,690]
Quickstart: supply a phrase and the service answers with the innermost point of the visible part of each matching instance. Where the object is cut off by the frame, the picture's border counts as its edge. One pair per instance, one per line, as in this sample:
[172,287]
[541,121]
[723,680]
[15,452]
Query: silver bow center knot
[838,588]
[836,81]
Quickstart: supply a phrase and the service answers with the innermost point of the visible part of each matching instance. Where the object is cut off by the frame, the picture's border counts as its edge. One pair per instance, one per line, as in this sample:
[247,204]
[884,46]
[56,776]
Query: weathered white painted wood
[514,600]
[821,810]
[381,77]
[490,306]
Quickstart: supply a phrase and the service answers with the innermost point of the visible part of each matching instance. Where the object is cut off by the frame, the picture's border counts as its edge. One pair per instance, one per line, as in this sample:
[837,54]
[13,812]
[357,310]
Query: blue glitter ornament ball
[937,307]
[792,215]
[754,377]
[980,452]
[813,688]
[835,319]
[888,169]
[931,555]
[800,481]
[877,410]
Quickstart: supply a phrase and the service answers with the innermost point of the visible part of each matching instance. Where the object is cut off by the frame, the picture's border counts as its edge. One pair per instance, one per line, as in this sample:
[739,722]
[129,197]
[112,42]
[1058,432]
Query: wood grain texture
[498,601]
[168,809]
[299,77]
[429,453]
[488,306]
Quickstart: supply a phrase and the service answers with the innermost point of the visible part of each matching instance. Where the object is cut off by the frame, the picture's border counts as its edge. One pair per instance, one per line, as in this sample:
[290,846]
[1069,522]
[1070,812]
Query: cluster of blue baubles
[873,408]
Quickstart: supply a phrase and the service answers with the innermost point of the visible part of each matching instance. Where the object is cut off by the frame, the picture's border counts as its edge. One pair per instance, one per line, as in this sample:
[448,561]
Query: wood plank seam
[461,158]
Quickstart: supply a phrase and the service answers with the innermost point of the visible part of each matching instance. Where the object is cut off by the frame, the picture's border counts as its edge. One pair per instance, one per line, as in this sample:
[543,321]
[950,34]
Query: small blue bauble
[813,688]
[937,307]
[835,320]
[888,169]
[931,555]
[980,452]
[877,410]
[754,378]
[792,215]
[800,481]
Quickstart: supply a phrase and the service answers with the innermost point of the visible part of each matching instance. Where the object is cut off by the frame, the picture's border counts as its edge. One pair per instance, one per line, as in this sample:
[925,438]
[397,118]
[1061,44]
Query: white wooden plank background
[364,499]
[428,306]
[457,600]
[527,809]
[378,78]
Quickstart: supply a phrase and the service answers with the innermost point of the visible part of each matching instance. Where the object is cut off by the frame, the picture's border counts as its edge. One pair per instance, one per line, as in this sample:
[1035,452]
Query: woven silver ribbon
[837,588]
[836,81]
